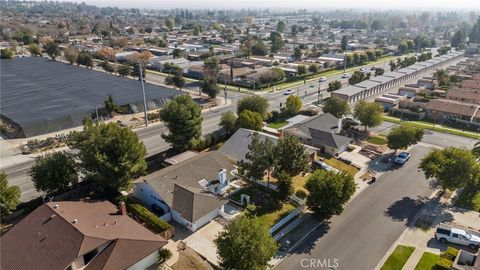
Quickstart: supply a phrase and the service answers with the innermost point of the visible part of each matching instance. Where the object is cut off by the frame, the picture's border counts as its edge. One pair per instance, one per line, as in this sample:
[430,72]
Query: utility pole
[345,59]
[319,89]
[143,91]
[225,89]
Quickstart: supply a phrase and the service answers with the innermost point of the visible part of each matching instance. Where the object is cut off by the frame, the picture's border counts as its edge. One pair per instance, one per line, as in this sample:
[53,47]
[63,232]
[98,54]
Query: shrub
[450,254]
[443,264]
[301,194]
[148,217]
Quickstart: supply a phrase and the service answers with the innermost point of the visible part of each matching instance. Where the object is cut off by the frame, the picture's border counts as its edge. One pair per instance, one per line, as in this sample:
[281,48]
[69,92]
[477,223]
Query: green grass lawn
[377,140]
[427,261]
[277,124]
[339,165]
[398,258]
[431,126]
[268,207]
[468,198]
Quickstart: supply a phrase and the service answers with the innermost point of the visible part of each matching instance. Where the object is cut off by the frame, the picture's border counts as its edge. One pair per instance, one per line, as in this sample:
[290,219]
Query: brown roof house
[74,235]
[441,110]
[188,192]
[322,131]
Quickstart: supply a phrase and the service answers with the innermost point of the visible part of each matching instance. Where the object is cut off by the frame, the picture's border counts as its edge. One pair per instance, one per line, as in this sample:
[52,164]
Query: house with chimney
[322,131]
[189,192]
[89,235]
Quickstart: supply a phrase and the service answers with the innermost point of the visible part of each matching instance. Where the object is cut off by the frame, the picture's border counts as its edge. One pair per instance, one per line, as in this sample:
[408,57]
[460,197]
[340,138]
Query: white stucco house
[188,192]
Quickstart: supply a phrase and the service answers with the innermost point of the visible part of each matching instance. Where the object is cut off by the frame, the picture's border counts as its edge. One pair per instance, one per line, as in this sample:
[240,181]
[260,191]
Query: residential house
[189,192]
[89,235]
[441,110]
[459,94]
[323,132]
[388,101]
[236,147]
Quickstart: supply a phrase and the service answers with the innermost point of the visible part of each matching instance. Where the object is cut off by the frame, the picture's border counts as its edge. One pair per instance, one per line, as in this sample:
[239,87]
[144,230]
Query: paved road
[432,137]
[363,233]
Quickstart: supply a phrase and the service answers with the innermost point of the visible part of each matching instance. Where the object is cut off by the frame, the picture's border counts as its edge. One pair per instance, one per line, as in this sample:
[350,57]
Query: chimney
[339,125]
[122,208]
[222,176]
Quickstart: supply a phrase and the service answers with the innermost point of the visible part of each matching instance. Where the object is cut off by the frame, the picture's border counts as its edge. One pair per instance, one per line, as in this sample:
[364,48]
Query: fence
[286,219]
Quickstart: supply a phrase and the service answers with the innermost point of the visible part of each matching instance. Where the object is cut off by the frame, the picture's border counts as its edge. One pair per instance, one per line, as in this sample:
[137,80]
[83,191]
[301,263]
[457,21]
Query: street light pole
[143,92]
[319,89]
[225,89]
[345,59]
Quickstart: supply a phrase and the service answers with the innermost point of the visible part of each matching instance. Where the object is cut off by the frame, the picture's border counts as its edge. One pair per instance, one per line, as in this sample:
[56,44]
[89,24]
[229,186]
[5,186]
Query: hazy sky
[296,4]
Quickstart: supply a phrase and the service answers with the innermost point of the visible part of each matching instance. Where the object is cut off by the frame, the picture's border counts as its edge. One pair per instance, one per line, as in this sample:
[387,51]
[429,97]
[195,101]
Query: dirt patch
[190,260]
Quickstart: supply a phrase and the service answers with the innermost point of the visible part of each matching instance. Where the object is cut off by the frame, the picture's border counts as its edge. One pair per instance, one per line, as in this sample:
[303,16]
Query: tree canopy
[54,172]
[109,154]
[451,167]
[292,106]
[328,192]
[368,113]
[227,122]
[249,120]
[245,244]
[336,106]
[259,158]
[52,49]
[9,196]
[254,103]
[403,136]
[291,156]
[183,118]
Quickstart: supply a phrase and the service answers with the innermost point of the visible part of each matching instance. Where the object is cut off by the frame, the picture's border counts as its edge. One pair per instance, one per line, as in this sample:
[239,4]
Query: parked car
[323,79]
[363,69]
[402,158]
[373,68]
[345,76]
[289,92]
[446,234]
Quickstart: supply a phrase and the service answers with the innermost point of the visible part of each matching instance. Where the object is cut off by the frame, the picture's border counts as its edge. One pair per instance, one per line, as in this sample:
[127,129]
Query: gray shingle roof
[350,90]
[187,174]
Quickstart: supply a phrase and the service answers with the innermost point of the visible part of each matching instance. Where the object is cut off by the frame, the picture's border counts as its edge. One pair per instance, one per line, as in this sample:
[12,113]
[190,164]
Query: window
[454,235]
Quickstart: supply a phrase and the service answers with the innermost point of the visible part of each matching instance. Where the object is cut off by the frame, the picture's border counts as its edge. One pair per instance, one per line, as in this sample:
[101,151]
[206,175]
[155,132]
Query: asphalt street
[370,223]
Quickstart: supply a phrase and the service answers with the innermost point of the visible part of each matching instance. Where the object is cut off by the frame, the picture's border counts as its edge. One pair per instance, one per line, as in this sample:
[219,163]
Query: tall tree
[52,49]
[254,103]
[109,154]
[227,122]
[458,38]
[9,196]
[302,70]
[475,32]
[451,167]
[291,156]
[259,48]
[368,113]
[110,105]
[183,117]
[292,106]
[281,26]
[250,238]
[249,120]
[257,160]
[336,106]
[210,87]
[328,191]
[71,55]
[344,43]
[170,23]
[277,42]
[284,185]
[403,136]
[54,172]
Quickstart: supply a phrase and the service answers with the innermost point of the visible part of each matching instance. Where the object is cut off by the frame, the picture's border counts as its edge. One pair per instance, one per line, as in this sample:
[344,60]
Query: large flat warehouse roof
[42,96]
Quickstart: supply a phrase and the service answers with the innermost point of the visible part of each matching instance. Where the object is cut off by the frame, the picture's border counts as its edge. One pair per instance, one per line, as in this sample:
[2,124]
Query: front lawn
[277,124]
[427,262]
[377,140]
[268,207]
[398,258]
[468,198]
[340,165]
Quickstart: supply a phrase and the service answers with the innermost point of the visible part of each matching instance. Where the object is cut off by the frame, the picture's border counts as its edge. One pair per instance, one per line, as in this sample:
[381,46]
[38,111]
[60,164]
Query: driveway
[202,241]
[370,224]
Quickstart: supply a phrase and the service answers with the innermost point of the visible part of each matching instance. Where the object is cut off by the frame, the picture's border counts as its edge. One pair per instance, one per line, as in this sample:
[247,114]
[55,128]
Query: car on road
[402,158]
[373,68]
[289,92]
[447,234]
[363,69]
[345,76]
[323,79]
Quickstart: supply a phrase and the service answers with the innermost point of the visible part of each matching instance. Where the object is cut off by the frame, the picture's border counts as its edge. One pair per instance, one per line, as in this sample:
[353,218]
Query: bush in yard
[443,264]
[164,255]
[249,120]
[301,194]
[152,221]
[284,184]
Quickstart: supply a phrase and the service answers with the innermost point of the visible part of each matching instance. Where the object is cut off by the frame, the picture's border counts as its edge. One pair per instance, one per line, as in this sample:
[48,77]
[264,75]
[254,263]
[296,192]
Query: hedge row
[152,221]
